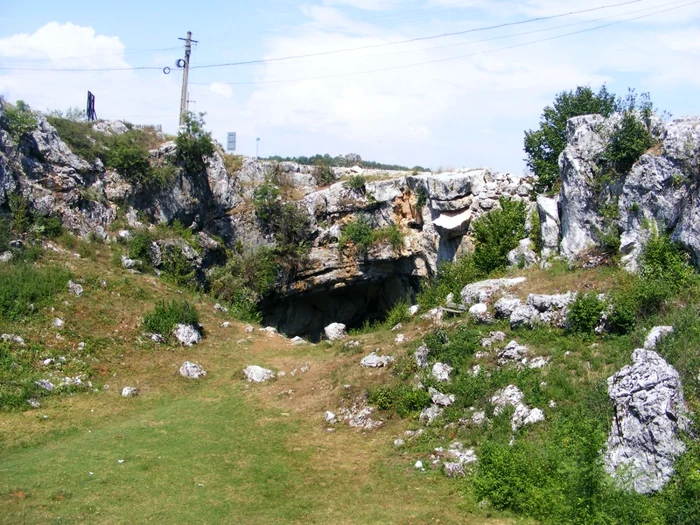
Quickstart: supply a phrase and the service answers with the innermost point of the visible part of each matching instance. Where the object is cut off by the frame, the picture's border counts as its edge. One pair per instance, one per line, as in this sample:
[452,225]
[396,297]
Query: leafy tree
[496,234]
[544,145]
[19,120]
[194,144]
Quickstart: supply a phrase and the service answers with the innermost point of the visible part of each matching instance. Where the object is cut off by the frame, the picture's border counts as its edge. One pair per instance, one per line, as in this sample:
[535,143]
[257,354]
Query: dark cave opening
[352,304]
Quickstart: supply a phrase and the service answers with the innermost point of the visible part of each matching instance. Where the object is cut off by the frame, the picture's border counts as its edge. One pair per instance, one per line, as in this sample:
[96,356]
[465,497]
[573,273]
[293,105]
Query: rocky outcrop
[650,412]
[659,189]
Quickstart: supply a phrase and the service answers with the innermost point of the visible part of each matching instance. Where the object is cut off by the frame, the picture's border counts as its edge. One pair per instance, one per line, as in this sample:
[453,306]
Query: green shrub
[629,140]
[140,247]
[130,158]
[357,183]
[322,173]
[178,268]
[403,399]
[165,316]
[398,314]
[84,141]
[266,202]
[390,234]
[360,232]
[536,232]
[19,120]
[5,234]
[194,144]
[25,289]
[497,233]
[421,196]
[584,313]
[50,227]
[21,215]
[451,277]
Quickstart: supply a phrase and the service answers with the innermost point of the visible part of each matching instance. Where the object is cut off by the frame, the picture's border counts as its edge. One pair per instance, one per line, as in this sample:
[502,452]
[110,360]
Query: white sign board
[231,142]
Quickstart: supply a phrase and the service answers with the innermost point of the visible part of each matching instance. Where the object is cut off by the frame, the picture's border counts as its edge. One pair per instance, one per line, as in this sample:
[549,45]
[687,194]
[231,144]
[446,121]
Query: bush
[165,316]
[178,268]
[357,183]
[497,233]
[267,204]
[544,145]
[451,277]
[21,215]
[584,313]
[322,173]
[404,400]
[140,247]
[630,139]
[390,234]
[194,144]
[130,158]
[360,232]
[5,234]
[19,120]
[24,289]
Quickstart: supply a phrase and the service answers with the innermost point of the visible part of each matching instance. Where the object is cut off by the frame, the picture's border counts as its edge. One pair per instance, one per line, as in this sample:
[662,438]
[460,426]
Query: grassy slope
[261,457]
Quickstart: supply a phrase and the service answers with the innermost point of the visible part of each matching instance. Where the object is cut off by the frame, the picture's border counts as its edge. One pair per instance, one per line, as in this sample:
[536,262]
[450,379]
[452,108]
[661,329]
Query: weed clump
[166,316]
[497,233]
[24,289]
[584,313]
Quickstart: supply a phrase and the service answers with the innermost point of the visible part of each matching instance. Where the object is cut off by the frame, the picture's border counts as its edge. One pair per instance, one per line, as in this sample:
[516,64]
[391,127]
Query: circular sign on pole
[180,63]
[166,70]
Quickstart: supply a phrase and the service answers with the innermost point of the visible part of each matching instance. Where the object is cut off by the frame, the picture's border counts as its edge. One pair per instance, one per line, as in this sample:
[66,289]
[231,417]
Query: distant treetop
[344,161]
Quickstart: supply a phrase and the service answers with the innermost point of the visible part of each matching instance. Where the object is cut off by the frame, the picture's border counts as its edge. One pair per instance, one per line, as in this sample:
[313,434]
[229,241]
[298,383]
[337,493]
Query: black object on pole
[90,112]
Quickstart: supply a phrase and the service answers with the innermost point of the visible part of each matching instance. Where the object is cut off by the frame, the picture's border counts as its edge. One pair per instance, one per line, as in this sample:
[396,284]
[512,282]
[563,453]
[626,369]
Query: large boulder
[482,291]
[548,211]
[649,414]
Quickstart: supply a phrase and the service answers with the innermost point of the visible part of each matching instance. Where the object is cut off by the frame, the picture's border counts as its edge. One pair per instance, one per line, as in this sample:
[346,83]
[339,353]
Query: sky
[437,83]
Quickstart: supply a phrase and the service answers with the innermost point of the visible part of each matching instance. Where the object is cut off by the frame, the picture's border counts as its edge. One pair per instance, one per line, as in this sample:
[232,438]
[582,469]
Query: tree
[544,145]
[194,144]
[19,120]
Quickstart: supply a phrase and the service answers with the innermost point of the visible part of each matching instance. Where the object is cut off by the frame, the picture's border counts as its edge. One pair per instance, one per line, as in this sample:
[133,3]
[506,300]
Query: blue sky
[447,112]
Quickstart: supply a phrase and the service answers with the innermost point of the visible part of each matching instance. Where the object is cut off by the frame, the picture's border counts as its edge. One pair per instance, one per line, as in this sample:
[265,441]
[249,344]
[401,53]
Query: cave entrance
[353,304]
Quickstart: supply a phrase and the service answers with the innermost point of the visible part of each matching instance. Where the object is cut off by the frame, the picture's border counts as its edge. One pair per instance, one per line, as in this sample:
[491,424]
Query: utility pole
[185,75]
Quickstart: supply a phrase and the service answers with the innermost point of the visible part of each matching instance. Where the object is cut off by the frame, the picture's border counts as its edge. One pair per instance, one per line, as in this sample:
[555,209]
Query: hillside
[494,363]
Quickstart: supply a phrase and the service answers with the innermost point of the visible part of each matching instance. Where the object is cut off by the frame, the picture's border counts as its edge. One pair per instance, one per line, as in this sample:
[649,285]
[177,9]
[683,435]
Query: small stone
[157,338]
[400,339]
[296,341]
[120,461]
[226,324]
[58,322]
[335,331]
[45,384]
[329,417]
[129,391]
[538,362]
[441,399]
[397,327]
[655,335]
[75,288]
[441,371]
[418,465]
[33,402]
[270,330]
[454,469]
[421,356]
[220,308]
[429,414]
[187,334]
[552,403]
[413,310]
[376,361]
[257,374]
[399,442]
[192,370]
[249,329]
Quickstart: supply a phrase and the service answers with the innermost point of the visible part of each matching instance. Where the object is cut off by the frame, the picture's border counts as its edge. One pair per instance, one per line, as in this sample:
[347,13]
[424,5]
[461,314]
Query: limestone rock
[129,391]
[434,316]
[430,414]
[413,310]
[524,315]
[441,372]
[655,335]
[45,384]
[523,256]
[649,414]
[505,306]
[443,400]
[512,353]
[258,374]
[187,334]
[548,211]
[482,291]
[494,337]
[5,257]
[421,356]
[191,370]
[75,288]
[335,331]
[523,415]
[376,361]
[480,313]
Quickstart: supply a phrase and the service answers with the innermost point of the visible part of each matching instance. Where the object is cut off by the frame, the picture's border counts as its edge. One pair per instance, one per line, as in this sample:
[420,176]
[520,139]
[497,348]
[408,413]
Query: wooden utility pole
[185,75]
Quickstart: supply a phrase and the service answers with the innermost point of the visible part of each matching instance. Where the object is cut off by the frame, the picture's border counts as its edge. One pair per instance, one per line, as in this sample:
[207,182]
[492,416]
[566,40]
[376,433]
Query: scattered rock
[75,288]
[358,416]
[524,315]
[271,330]
[220,308]
[157,338]
[418,465]
[297,341]
[58,323]
[33,402]
[125,235]
[258,374]
[192,370]
[335,331]
[376,361]
[129,391]
[45,384]
[650,411]
[226,324]
[12,338]
[329,417]
[249,329]
[428,415]
[413,310]
[441,371]
[421,356]
[130,264]
[494,337]
[512,353]
[479,418]
[400,339]
[187,334]
[399,442]
[5,257]
[434,316]
[538,362]
[655,335]
[523,256]
[480,313]
[523,415]
[397,327]
[505,306]
[352,344]
[440,399]
[454,469]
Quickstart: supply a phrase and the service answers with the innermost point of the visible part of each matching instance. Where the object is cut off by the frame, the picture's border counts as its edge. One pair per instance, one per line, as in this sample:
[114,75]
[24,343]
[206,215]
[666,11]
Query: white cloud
[369,5]
[222,89]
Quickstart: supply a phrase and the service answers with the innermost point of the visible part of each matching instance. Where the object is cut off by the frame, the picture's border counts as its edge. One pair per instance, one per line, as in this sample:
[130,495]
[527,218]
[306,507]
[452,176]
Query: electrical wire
[435,61]
[418,39]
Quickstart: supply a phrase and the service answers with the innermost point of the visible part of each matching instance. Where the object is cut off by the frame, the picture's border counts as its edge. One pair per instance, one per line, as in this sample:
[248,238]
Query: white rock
[226,324]
[45,384]
[434,316]
[157,338]
[220,308]
[482,291]
[12,338]
[413,310]
[418,465]
[428,415]
[335,331]
[524,315]
[129,391]
[125,235]
[258,374]
[505,306]
[58,323]
[400,339]
[440,399]
[269,330]
[494,337]
[187,334]
[523,256]
[454,469]
[441,371]
[476,370]
[376,361]
[75,288]
[192,370]
[512,353]
[655,335]
[33,402]
[329,417]
[249,329]
[478,418]
[5,257]
[296,341]
[397,327]
[399,442]
[421,356]
[130,264]
[480,312]
[538,362]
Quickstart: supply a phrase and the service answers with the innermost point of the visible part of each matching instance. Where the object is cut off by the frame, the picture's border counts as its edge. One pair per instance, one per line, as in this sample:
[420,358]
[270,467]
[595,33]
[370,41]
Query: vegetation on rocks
[194,144]
[19,119]
[364,235]
[165,316]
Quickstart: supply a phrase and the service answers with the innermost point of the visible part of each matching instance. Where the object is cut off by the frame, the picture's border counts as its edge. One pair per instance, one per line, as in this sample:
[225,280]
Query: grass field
[215,450]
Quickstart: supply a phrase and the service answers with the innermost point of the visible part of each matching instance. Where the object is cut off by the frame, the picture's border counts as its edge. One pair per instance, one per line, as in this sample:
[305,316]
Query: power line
[523,44]
[384,44]
[140,52]
[418,39]
[501,37]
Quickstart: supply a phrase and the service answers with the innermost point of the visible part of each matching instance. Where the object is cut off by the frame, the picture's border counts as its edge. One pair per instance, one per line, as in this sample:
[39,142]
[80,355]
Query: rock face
[649,413]
[659,188]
